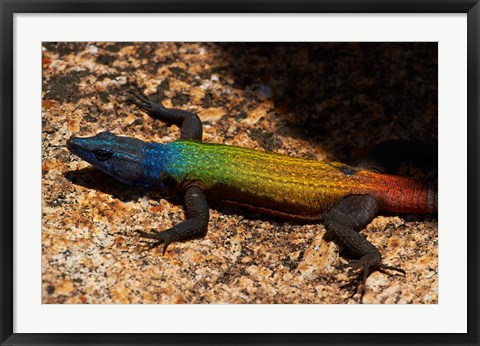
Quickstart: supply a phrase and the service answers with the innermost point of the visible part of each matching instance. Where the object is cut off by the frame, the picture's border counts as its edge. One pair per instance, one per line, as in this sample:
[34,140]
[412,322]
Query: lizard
[346,198]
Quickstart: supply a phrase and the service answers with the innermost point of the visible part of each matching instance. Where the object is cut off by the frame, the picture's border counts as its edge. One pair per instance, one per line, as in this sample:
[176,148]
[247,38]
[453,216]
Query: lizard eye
[103,155]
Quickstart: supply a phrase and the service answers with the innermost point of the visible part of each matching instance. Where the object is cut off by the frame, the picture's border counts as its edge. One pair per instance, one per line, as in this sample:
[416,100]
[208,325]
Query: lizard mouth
[72,143]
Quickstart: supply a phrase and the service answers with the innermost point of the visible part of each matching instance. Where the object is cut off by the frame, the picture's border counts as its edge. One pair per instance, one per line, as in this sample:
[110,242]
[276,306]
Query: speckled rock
[317,101]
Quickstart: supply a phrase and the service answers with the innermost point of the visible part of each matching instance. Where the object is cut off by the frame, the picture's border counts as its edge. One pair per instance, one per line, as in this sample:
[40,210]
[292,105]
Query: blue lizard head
[120,157]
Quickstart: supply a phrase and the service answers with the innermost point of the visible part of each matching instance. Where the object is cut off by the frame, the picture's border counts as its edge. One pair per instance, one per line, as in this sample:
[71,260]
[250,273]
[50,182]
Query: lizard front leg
[196,223]
[189,123]
[343,223]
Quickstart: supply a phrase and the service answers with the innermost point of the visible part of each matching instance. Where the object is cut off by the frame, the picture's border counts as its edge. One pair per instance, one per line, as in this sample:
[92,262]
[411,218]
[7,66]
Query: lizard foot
[141,101]
[366,265]
[164,238]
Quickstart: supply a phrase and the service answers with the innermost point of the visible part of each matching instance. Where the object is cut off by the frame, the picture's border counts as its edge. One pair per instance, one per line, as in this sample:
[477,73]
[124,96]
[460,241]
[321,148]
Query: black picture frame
[9,8]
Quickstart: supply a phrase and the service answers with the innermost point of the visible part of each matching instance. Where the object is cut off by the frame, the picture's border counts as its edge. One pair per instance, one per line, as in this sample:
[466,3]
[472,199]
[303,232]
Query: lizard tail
[404,195]
[432,200]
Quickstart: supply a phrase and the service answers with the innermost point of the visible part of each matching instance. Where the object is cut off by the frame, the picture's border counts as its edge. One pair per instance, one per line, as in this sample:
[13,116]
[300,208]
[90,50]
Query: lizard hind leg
[343,223]
[189,123]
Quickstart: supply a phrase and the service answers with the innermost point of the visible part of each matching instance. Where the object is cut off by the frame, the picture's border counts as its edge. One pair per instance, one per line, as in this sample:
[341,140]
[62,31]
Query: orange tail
[405,195]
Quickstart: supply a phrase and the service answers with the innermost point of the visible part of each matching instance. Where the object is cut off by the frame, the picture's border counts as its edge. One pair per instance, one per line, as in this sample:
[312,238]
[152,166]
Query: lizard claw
[398,269]
[137,98]
[160,237]
[367,265]
[153,234]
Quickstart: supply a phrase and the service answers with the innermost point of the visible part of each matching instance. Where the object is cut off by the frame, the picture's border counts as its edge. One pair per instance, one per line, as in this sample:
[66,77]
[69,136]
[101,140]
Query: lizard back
[278,184]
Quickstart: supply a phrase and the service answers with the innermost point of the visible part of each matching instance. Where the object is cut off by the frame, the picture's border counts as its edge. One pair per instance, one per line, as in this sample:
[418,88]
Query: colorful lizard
[345,198]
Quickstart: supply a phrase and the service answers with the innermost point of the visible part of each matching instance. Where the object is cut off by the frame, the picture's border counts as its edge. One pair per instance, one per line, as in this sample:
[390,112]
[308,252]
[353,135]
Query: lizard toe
[153,234]
[141,101]
[365,266]
[164,238]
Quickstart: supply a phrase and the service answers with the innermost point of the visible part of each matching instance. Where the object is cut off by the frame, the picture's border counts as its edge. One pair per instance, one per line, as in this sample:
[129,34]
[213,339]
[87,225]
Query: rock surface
[318,101]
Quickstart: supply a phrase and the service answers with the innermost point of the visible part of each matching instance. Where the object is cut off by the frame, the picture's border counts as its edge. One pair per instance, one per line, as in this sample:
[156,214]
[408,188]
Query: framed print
[245,174]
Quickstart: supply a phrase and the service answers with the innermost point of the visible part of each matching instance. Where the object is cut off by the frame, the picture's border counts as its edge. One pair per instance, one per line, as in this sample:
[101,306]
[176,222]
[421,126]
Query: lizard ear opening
[128,172]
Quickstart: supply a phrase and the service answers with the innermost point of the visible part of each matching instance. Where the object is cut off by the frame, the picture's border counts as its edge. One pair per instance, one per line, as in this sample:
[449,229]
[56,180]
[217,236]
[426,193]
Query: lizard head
[120,157]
